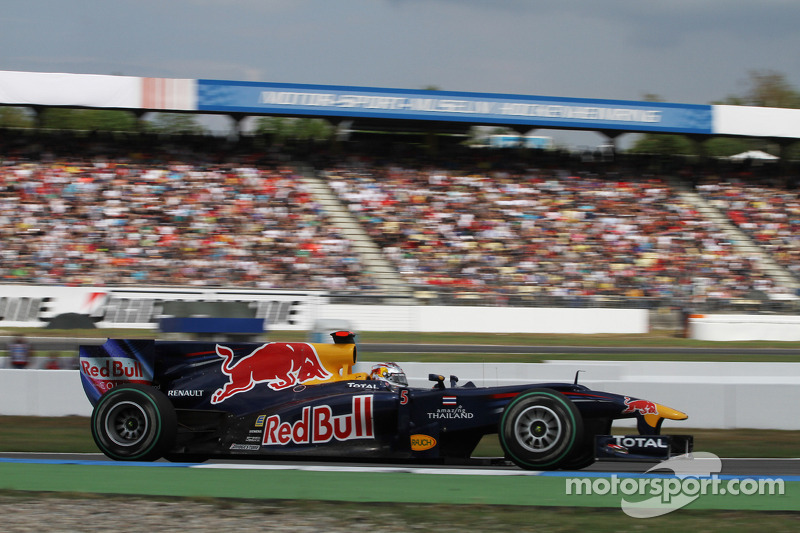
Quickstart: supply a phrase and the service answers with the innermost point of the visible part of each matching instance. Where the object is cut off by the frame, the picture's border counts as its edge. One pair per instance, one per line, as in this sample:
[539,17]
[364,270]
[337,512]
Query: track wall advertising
[36,306]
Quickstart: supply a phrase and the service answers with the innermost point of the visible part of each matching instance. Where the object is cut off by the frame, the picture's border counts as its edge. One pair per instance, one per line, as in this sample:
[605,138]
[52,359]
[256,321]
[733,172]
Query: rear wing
[161,363]
[115,362]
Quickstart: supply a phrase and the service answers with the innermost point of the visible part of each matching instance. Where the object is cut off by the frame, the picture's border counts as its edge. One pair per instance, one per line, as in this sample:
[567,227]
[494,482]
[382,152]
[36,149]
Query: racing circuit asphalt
[730,466]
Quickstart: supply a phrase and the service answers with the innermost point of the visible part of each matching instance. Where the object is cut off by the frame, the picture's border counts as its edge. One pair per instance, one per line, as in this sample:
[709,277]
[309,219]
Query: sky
[684,51]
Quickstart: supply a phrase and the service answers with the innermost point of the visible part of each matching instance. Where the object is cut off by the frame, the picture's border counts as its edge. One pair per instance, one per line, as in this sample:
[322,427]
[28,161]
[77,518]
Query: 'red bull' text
[319,425]
[108,368]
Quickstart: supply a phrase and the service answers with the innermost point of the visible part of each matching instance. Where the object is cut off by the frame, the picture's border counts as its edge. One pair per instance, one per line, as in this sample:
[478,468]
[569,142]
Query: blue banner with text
[479,108]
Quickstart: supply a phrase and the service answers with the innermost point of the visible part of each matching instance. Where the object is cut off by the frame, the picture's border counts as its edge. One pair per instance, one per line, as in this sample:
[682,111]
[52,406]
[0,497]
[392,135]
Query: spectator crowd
[166,216]
[767,211]
[102,213]
[545,231]
[21,355]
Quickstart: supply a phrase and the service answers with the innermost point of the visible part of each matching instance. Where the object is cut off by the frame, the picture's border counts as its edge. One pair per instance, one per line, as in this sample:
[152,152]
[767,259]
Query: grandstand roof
[392,108]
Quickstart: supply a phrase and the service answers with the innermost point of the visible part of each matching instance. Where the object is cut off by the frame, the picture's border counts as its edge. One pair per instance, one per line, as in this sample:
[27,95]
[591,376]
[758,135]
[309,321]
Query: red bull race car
[194,400]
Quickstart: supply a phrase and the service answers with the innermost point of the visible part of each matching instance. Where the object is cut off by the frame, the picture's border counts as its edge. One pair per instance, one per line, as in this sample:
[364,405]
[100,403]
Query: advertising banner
[325,100]
[37,306]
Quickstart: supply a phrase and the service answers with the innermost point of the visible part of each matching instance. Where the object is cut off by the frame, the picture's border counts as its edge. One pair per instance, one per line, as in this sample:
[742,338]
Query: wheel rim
[538,428]
[126,424]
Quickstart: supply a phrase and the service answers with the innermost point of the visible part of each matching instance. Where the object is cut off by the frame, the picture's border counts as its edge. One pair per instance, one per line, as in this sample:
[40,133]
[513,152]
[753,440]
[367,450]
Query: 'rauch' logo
[420,442]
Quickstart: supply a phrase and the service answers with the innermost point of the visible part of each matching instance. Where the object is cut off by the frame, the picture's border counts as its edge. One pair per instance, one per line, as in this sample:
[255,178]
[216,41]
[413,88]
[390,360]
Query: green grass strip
[394,487]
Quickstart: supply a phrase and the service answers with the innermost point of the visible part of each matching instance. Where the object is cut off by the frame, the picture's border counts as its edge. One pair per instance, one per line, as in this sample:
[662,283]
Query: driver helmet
[389,372]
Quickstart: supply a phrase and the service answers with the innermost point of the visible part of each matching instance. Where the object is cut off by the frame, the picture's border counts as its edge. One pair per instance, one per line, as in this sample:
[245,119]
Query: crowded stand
[162,213]
[575,235]
[765,209]
[535,230]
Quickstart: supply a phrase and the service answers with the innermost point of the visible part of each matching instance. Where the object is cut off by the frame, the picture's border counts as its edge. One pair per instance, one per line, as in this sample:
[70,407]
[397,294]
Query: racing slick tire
[134,423]
[583,454]
[540,429]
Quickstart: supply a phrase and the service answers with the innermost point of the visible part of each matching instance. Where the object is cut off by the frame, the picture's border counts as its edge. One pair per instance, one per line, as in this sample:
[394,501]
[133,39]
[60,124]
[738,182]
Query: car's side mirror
[439,379]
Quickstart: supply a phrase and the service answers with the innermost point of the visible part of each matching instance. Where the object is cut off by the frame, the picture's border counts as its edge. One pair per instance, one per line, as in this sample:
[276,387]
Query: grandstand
[453,226]
[467,230]
[551,234]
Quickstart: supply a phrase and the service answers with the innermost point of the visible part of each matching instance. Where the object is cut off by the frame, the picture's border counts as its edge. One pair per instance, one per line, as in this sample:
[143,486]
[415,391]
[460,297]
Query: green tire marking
[558,400]
[158,425]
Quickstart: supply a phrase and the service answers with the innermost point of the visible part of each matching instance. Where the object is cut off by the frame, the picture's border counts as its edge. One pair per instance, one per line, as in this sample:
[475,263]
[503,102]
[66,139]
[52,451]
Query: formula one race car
[191,401]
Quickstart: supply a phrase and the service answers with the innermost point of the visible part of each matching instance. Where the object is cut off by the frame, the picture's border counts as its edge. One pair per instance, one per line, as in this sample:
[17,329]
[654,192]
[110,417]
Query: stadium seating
[476,227]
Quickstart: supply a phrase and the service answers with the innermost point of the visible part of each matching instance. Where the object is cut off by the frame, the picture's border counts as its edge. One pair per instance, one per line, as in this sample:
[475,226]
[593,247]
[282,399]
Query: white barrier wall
[745,327]
[42,393]
[714,395]
[466,319]
[36,306]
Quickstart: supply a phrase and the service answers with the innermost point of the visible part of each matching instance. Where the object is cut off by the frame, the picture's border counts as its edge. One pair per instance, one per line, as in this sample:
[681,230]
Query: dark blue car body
[191,401]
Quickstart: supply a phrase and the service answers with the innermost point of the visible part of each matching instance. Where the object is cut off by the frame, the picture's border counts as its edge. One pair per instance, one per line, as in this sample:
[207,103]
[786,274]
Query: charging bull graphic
[279,365]
[644,407]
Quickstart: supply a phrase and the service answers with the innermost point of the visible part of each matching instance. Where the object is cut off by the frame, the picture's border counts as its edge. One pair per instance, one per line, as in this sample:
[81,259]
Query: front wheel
[584,451]
[540,429]
[134,423]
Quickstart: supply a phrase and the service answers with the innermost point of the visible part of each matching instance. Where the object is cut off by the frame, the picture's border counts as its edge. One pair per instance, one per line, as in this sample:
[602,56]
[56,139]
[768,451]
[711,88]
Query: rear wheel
[134,423]
[540,429]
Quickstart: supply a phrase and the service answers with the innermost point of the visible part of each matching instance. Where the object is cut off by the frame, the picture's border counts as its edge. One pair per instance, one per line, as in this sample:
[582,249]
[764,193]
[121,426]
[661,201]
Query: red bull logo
[277,364]
[318,425]
[113,369]
[643,407]
[105,373]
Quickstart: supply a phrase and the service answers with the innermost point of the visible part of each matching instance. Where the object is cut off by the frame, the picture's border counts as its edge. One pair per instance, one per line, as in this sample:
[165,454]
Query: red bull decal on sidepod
[277,364]
[318,425]
[643,407]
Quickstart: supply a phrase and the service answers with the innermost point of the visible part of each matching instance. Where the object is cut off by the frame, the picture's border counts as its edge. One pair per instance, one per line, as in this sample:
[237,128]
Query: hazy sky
[687,51]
